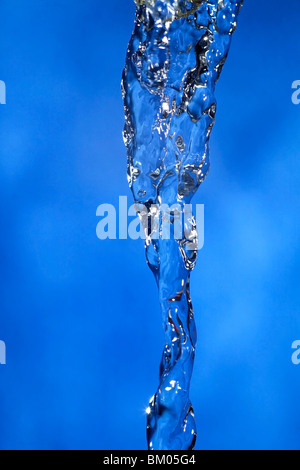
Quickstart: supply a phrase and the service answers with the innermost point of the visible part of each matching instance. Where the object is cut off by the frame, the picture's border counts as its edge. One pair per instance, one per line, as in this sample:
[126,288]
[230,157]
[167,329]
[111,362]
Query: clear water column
[174,59]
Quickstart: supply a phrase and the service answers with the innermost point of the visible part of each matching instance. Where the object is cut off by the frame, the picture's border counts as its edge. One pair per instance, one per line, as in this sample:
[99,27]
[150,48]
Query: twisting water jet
[174,59]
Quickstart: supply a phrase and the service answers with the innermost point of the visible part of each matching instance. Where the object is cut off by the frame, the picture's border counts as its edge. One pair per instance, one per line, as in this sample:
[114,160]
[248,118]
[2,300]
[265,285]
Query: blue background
[80,316]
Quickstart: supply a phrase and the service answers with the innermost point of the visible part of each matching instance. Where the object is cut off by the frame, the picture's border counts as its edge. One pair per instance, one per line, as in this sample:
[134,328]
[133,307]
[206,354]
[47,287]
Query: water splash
[174,59]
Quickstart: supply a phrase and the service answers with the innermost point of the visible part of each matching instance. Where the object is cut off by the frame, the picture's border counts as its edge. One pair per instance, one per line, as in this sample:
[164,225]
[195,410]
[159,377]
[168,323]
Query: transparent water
[174,59]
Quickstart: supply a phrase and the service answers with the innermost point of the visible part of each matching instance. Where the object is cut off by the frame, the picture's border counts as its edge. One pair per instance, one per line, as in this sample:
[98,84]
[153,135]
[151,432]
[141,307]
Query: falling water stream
[174,59]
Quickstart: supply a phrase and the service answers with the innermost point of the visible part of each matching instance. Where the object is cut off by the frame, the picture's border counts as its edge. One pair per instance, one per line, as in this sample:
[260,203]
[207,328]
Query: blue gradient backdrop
[80,317]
